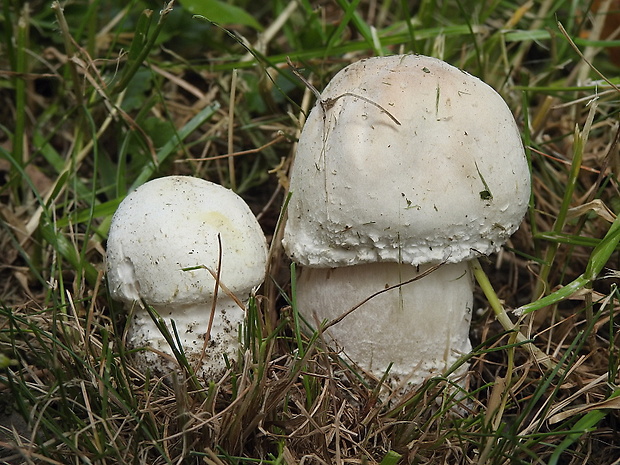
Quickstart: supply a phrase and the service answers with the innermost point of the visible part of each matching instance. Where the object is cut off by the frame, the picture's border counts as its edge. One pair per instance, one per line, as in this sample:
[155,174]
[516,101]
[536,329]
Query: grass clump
[98,97]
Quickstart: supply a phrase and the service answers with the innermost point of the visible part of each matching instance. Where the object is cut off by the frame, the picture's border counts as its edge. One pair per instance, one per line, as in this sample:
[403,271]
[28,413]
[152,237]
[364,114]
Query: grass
[99,97]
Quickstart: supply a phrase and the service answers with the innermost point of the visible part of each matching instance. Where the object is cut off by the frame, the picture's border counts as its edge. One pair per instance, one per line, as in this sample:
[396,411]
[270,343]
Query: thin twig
[217,276]
[328,103]
[372,296]
[592,67]
[236,154]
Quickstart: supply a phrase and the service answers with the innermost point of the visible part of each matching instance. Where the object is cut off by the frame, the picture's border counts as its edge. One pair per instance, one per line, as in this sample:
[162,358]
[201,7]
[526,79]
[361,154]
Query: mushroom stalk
[402,328]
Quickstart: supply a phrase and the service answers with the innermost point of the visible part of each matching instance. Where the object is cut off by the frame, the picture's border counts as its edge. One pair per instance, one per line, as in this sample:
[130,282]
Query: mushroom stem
[189,334]
[420,328]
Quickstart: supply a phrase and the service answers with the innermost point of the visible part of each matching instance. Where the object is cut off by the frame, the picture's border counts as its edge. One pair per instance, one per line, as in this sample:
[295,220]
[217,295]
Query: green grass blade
[584,425]
[391,458]
[163,153]
[598,259]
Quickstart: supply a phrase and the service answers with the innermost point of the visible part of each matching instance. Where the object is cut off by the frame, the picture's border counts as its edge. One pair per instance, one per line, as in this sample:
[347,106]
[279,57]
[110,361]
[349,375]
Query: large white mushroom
[405,163]
[165,242]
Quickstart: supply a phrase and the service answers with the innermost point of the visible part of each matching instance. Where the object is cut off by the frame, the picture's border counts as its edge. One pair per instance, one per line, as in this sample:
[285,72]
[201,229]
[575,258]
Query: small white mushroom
[407,162]
[163,240]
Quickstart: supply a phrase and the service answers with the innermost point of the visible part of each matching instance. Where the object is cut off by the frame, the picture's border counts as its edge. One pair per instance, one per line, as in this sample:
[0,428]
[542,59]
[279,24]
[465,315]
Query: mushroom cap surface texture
[445,182]
[170,225]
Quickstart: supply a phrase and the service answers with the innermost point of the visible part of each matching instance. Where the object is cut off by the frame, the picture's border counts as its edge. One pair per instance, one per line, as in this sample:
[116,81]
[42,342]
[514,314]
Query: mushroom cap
[171,224]
[449,183]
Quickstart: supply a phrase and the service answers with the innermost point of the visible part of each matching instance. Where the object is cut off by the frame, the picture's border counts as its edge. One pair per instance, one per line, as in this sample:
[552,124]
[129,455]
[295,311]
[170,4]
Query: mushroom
[406,168]
[165,244]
